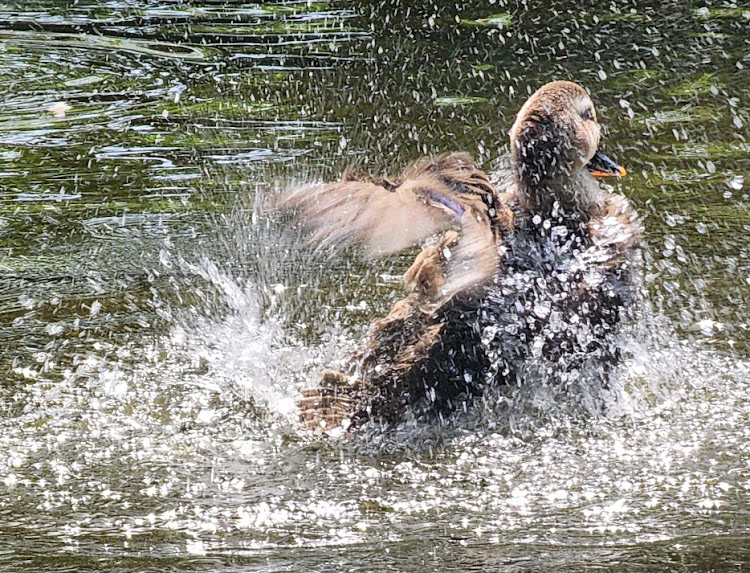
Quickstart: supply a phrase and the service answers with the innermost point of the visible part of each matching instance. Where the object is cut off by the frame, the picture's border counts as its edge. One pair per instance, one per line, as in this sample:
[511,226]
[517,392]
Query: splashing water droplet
[736,183]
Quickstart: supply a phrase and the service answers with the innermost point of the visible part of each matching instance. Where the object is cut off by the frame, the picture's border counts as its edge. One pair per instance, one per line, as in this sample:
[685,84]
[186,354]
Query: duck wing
[433,195]
[615,228]
[368,213]
[475,258]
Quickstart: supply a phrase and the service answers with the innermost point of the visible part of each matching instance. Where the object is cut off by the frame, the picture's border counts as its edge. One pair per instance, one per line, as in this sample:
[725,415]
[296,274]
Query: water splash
[240,350]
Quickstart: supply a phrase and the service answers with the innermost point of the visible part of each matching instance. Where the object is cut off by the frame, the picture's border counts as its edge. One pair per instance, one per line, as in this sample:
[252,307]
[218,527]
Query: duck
[533,258]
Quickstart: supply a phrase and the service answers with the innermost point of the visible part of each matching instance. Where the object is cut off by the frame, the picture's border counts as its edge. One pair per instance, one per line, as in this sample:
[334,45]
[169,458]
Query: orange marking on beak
[621,172]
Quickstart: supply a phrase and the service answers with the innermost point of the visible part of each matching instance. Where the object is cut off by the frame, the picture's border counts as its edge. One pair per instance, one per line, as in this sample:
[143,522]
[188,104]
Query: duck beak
[602,166]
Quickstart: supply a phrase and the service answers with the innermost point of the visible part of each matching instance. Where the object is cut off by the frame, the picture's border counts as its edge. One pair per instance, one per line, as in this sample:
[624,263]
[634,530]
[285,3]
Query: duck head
[554,143]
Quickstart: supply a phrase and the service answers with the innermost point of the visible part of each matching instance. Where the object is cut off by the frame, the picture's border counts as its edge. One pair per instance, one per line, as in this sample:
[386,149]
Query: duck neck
[550,178]
[564,199]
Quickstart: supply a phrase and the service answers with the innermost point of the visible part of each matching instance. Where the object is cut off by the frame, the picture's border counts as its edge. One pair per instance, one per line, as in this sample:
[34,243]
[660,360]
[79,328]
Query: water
[156,323]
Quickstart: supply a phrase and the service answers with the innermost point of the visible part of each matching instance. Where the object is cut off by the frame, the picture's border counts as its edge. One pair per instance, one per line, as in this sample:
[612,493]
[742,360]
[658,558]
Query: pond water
[157,324]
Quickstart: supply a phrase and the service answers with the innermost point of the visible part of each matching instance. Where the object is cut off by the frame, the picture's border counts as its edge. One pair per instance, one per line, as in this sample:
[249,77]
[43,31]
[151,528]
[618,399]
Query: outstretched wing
[368,214]
[432,196]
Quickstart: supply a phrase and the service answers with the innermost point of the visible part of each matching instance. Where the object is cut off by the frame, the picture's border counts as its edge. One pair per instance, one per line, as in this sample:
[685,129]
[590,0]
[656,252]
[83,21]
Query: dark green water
[156,325]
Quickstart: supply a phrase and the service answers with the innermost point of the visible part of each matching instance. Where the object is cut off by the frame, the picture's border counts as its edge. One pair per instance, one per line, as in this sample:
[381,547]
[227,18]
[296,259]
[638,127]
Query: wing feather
[432,196]
[383,221]
[475,259]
